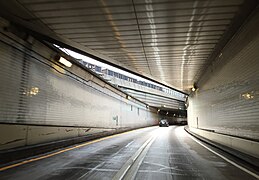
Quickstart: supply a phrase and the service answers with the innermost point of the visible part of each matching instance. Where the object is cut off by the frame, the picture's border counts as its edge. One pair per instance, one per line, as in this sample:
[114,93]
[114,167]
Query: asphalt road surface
[154,153]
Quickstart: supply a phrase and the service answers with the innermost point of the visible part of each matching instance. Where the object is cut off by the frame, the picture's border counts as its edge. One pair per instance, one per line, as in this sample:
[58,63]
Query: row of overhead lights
[166,112]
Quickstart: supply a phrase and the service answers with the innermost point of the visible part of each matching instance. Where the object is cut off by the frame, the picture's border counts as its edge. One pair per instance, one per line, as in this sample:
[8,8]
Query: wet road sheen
[168,153]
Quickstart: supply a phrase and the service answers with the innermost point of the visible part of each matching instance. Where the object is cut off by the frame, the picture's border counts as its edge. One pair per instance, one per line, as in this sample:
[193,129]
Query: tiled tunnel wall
[41,101]
[227,100]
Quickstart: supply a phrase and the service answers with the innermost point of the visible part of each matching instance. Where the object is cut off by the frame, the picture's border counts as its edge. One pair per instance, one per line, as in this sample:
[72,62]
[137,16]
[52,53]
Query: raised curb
[18,154]
[249,161]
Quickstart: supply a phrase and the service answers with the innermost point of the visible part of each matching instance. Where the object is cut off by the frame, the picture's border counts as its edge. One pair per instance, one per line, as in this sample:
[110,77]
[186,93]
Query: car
[163,123]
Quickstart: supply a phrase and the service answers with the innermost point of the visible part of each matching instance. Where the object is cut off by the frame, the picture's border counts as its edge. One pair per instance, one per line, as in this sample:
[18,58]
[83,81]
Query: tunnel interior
[74,71]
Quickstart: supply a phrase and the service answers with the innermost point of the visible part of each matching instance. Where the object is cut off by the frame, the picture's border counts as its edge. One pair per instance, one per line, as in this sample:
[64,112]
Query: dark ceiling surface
[172,41]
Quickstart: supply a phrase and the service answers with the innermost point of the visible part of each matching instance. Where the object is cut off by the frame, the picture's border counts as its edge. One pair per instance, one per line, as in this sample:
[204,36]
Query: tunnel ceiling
[171,41]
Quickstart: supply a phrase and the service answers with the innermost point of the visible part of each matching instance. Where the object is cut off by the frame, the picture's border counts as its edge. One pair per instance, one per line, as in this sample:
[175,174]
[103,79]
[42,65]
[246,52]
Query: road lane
[172,155]
[100,160]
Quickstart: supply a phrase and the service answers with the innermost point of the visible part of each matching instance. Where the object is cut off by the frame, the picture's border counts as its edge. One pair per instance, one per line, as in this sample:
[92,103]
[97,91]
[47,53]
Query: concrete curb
[14,155]
[249,161]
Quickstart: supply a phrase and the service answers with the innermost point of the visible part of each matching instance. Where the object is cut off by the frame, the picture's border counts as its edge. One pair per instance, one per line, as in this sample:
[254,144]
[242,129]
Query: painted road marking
[226,159]
[130,168]
[129,144]
[93,169]
[64,150]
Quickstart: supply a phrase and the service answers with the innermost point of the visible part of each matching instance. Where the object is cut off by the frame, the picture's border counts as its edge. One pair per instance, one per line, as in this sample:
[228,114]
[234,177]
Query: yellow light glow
[247,96]
[33,91]
[65,62]
[193,89]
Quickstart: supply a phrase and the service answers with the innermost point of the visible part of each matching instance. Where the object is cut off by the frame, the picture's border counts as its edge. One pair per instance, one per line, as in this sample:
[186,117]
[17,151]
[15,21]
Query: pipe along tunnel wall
[41,101]
[225,108]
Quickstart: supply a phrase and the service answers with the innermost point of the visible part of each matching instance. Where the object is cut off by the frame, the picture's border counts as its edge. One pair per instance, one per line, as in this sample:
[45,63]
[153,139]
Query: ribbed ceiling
[170,40]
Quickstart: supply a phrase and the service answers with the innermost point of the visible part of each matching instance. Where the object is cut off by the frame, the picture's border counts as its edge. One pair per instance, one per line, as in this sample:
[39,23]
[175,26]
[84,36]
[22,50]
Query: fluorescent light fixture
[194,87]
[65,62]
[128,97]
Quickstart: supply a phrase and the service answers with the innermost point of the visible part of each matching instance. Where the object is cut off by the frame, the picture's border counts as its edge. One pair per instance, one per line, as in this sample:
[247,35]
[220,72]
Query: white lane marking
[226,159]
[129,143]
[161,172]
[125,168]
[92,169]
[162,167]
[137,162]
[97,169]
[41,156]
